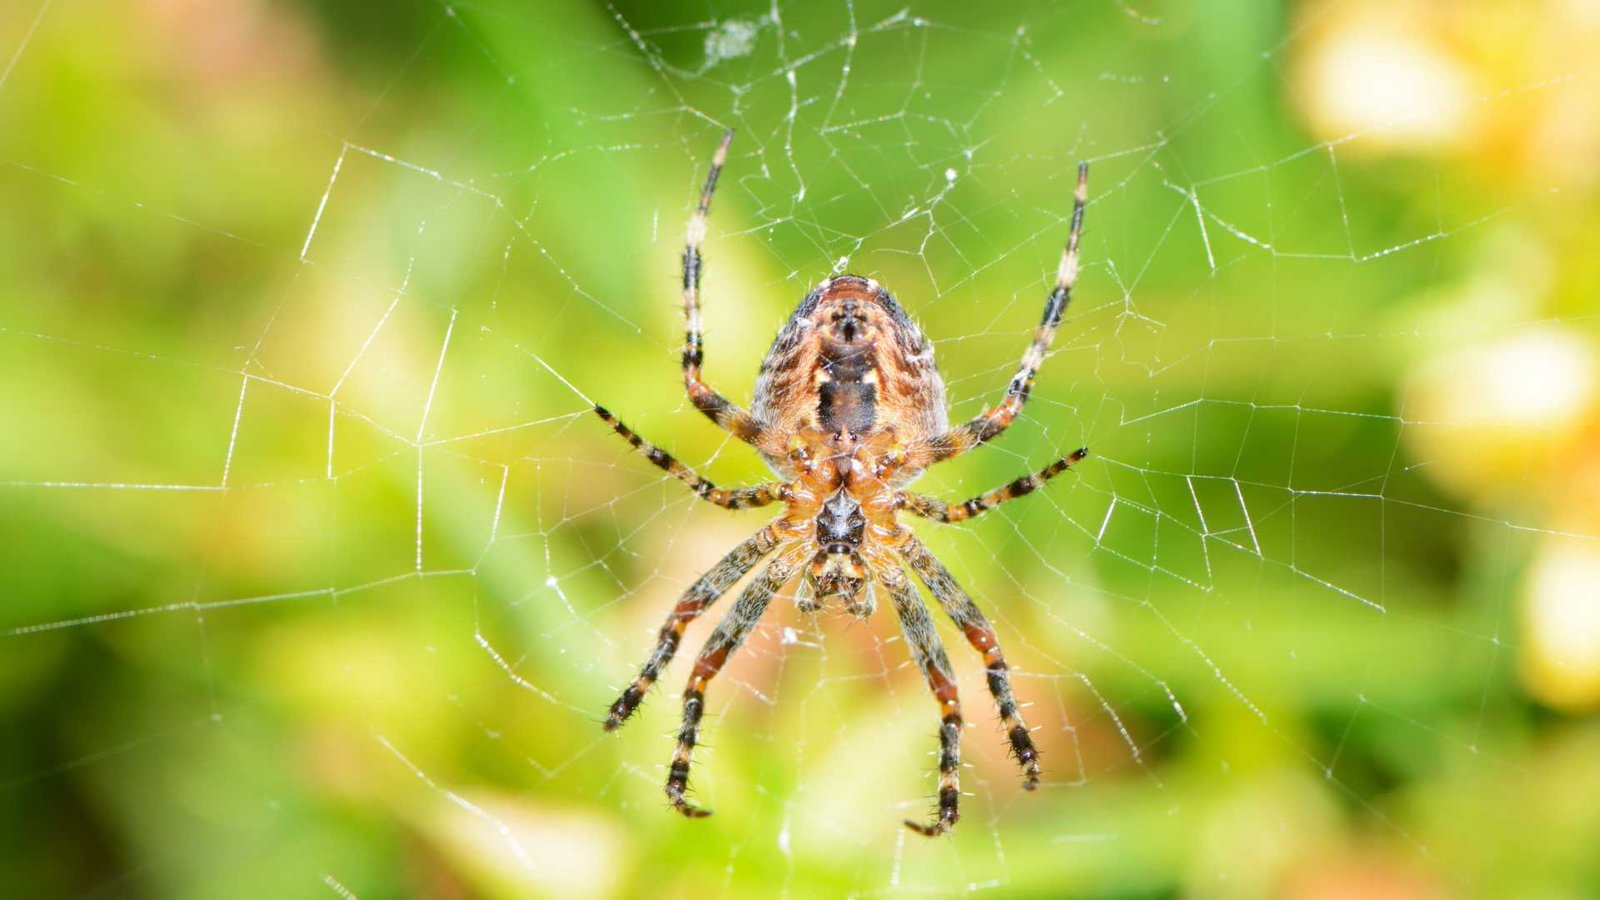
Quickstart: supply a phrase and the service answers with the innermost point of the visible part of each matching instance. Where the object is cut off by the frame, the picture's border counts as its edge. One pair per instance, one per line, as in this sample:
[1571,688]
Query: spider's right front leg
[928,651]
[700,595]
[980,634]
[727,414]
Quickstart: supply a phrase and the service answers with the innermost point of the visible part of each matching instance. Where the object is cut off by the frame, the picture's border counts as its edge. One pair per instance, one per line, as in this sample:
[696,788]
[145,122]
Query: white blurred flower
[1388,82]
[1489,417]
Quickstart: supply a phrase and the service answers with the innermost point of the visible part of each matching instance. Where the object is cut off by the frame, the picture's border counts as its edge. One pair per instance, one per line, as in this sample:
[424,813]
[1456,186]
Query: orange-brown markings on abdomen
[850,288]
[850,359]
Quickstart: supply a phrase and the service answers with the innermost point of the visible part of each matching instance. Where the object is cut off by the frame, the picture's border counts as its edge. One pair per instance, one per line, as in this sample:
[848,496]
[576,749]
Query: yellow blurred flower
[1492,418]
[1389,78]
[1508,86]
[1512,422]
[1560,624]
[1507,421]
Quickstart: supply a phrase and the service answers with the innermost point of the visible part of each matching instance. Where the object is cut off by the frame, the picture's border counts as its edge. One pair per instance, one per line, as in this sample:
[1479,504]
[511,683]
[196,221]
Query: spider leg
[729,634]
[695,601]
[728,415]
[928,652]
[996,419]
[933,508]
[980,634]
[737,498]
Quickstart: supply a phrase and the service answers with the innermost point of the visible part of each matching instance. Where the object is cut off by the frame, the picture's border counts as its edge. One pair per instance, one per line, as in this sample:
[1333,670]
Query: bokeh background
[316,576]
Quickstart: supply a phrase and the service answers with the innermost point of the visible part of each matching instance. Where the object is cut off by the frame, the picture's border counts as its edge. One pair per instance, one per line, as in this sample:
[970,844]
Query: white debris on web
[730,40]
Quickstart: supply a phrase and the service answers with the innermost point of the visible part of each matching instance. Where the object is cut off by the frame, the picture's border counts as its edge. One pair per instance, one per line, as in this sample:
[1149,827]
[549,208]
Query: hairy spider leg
[735,626]
[696,600]
[989,424]
[934,508]
[980,634]
[735,498]
[928,653]
[728,415]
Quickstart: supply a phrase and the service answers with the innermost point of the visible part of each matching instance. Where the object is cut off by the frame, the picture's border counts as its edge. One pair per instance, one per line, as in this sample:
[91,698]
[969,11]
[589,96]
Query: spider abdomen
[850,360]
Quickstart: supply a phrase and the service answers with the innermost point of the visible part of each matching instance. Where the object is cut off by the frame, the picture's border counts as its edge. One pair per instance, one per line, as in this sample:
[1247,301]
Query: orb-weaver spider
[849,408]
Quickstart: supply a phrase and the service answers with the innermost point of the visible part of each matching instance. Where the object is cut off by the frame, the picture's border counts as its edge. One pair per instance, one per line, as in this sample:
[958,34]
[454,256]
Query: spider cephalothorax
[849,408]
[838,569]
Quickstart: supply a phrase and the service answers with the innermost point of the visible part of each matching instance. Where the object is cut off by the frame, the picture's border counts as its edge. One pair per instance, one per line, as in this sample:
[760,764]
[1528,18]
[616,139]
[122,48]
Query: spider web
[342,573]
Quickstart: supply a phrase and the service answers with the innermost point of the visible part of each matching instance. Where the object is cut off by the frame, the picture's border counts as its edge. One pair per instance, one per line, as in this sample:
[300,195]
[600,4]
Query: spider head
[837,576]
[837,569]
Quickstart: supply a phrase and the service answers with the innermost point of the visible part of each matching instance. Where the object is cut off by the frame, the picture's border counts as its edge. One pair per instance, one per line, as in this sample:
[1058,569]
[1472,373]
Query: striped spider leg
[735,626]
[696,600]
[728,415]
[980,634]
[927,651]
[940,511]
[989,424]
[737,498]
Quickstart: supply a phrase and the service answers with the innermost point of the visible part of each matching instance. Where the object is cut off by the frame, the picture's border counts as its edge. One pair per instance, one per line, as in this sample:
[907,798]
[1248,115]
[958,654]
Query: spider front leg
[933,508]
[980,634]
[928,652]
[730,633]
[728,415]
[695,601]
[738,498]
[992,422]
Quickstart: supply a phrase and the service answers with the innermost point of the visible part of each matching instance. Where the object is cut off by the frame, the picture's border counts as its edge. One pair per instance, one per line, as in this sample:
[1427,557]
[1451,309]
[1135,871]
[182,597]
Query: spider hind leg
[989,424]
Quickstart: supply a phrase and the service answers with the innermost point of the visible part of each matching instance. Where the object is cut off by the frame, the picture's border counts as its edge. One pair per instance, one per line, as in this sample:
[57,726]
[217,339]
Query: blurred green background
[318,576]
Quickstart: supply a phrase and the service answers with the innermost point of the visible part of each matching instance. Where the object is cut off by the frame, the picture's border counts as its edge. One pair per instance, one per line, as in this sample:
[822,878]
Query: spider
[849,408]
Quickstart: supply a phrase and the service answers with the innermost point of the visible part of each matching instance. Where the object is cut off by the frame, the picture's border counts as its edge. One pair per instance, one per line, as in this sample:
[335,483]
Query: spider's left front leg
[980,634]
[737,498]
[729,634]
[694,601]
